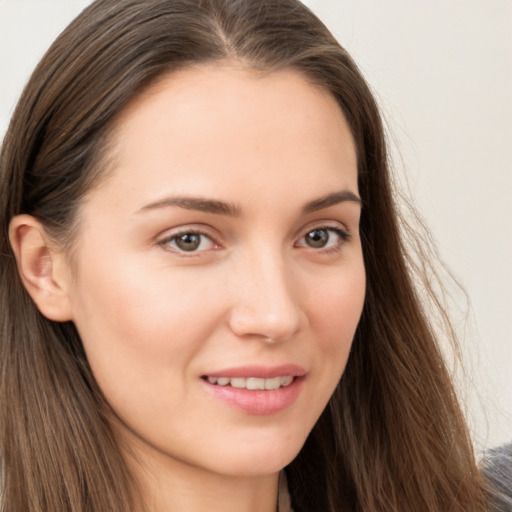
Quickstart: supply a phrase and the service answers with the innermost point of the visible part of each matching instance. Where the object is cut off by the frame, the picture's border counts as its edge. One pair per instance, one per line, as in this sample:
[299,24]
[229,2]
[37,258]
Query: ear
[43,268]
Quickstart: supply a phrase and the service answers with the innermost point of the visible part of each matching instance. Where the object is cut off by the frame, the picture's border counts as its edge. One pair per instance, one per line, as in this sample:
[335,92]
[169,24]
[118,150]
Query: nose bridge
[266,301]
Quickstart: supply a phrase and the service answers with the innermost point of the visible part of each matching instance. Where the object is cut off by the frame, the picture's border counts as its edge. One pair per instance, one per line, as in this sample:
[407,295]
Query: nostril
[269,329]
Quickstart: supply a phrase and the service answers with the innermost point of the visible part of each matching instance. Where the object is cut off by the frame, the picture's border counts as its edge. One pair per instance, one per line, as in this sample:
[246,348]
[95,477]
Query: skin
[155,319]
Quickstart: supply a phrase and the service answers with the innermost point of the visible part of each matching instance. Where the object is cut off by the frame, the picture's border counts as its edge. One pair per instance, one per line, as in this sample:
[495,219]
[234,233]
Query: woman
[198,228]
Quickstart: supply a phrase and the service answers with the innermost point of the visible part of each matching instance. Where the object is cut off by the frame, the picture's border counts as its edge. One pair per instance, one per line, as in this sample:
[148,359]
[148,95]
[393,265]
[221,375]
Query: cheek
[335,312]
[338,307]
[135,322]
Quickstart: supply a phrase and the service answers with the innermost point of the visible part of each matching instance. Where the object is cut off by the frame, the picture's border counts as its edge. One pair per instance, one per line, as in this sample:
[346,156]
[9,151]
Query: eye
[189,241]
[324,238]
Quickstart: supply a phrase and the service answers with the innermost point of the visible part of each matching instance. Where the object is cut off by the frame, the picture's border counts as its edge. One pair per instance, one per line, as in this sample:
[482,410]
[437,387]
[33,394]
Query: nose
[266,302]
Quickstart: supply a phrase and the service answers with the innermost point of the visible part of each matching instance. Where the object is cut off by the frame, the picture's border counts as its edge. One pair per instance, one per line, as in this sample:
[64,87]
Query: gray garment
[497,468]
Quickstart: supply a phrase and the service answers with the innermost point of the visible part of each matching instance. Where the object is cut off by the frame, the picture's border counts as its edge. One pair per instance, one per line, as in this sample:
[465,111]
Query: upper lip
[261,372]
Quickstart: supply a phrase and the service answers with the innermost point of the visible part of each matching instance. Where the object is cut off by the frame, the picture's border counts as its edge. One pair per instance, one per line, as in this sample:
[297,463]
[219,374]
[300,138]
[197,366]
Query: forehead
[215,125]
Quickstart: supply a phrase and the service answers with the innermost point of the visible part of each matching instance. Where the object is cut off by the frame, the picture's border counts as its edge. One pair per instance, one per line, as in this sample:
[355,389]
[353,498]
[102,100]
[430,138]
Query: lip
[258,402]
[260,372]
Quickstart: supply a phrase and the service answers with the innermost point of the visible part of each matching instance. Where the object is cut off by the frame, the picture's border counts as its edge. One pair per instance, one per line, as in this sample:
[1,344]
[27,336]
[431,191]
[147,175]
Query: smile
[252,383]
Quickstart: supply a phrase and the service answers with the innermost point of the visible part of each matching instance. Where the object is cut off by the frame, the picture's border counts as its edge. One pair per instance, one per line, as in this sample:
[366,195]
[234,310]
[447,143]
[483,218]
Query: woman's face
[222,254]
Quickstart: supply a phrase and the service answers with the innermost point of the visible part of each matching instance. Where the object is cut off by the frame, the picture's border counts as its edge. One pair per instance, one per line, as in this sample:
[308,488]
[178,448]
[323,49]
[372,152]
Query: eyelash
[344,237]
[166,242]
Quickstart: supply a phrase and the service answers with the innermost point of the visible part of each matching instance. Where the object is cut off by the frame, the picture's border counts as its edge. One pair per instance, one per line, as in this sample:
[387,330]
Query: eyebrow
[231,210]
[196,203]
[331,200]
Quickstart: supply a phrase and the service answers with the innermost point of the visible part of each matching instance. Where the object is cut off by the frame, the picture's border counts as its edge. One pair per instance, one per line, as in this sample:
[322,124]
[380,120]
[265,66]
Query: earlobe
[42,268]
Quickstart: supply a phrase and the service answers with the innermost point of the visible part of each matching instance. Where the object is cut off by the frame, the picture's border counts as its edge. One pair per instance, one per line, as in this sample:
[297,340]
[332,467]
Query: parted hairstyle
[392,437]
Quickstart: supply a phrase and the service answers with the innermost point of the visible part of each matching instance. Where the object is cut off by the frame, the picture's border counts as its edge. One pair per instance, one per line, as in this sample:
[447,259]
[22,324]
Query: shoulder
[497,469]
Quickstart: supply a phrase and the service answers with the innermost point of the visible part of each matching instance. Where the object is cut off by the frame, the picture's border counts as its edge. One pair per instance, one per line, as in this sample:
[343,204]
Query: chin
[258,458]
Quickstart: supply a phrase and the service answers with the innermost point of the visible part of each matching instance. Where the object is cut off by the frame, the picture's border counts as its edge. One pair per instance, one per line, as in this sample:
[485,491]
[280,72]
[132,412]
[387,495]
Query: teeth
[274,383]
[252,382]
[286,381]
[238,383]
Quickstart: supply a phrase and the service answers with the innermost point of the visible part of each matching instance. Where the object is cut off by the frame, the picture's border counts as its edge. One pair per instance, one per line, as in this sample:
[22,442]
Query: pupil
[188,241]
[317,238]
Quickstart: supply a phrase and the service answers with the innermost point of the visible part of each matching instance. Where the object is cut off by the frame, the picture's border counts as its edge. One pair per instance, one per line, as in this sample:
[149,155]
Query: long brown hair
[392,437]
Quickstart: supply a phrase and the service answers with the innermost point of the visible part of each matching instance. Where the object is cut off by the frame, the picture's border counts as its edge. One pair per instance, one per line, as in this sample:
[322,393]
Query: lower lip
[258,402]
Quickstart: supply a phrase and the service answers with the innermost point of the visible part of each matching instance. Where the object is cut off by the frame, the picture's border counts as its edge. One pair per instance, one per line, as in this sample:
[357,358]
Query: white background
[442,71]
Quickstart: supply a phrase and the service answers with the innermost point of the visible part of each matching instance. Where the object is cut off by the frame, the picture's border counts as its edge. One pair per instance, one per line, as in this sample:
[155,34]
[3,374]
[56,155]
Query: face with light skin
[225,236]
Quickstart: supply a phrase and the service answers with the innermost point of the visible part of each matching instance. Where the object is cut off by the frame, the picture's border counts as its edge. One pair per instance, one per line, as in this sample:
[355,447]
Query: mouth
[257,390]
[252,383]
